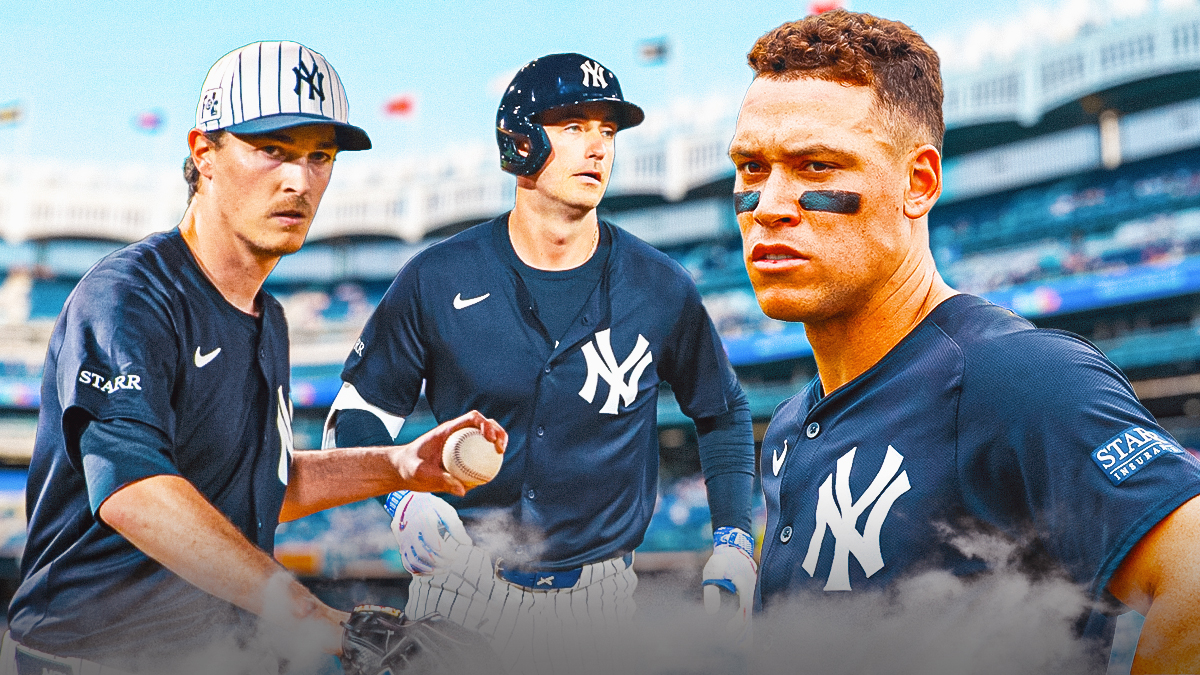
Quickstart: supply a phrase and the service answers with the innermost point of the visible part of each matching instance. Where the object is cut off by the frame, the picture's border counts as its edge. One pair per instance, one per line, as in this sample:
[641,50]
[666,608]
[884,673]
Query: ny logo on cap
[305,75]
[593,74]
[210,105]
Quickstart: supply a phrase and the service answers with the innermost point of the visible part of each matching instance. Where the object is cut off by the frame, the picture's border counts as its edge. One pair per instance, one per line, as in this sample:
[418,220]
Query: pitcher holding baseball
[561,327]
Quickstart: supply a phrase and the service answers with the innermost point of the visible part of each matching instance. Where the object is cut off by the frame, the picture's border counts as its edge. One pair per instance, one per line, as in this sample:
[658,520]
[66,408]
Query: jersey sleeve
[118,354]
[115,370]
[387,364]
[696,366]
[1052,435]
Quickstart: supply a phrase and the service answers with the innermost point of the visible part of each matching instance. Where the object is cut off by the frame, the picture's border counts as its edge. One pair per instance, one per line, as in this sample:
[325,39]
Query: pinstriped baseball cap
[268,86]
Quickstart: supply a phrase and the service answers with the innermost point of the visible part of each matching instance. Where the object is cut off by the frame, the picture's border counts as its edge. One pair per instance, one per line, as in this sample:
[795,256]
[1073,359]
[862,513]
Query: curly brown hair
[864,50]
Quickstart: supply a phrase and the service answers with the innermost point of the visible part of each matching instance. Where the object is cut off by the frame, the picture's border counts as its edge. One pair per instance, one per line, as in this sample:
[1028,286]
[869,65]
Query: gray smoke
[1004,621]
[281,644]
[1001,622]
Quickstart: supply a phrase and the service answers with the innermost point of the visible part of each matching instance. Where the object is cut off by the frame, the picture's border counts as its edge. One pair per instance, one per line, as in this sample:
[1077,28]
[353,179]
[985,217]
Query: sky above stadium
[118,81]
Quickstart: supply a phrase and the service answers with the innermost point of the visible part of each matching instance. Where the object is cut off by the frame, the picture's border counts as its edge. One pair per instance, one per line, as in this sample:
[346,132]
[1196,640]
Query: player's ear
[201,148]
[924,181]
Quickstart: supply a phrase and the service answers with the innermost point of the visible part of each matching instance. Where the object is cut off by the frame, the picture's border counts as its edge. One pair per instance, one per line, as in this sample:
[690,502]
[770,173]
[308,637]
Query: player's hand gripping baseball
[427,529]
[732,568]
[420,462]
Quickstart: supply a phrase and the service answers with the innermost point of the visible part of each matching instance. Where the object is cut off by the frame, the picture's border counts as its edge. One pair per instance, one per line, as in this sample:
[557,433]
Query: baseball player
[562,327]
[932,411]
[164,456]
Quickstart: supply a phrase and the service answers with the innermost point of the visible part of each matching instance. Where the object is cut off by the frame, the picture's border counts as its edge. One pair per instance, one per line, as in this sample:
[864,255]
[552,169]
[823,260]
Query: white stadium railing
[668,156]
[1043,79]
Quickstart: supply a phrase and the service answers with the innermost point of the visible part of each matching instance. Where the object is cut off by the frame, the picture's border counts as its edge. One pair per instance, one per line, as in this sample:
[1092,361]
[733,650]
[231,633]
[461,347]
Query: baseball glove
[381,640]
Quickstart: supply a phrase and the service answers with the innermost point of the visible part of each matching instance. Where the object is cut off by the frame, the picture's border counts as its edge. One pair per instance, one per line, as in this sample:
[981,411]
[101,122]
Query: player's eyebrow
[280,137]
[822,150]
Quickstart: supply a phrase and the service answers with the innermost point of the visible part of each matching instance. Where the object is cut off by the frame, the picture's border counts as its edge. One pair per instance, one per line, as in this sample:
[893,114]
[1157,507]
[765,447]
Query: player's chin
[281,245]
[785,303]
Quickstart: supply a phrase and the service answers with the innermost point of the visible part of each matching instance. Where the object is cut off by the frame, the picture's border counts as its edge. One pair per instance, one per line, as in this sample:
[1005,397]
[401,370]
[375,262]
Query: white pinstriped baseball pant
[549,632]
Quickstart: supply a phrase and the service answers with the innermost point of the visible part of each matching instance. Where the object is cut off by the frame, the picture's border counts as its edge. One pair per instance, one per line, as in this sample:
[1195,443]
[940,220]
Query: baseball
[470,457]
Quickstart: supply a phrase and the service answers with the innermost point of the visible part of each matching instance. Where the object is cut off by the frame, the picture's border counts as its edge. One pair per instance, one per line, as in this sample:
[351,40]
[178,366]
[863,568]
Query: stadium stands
[1072,196]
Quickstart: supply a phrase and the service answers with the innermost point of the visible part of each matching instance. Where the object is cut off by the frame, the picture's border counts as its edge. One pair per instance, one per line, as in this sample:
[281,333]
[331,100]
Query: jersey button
[785,535]
[546,370]
[541,431]
[531,494]
[812,430]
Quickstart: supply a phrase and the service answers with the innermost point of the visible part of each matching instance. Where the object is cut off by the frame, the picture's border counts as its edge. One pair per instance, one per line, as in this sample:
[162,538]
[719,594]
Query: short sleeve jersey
[145,337]
[581,466]
[976,418]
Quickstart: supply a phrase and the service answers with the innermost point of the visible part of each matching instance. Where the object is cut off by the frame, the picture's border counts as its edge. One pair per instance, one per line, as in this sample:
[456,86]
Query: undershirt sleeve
[360,429]
[120,451]
[727,457]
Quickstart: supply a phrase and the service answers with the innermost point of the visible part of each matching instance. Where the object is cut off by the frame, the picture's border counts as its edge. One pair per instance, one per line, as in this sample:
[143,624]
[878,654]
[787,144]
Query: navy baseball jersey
[145,340]
[580,472]
[975,419]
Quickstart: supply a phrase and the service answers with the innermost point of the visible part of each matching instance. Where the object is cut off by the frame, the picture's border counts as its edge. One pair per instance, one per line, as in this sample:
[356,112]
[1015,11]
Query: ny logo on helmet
[841,517]
[304,74]
[593,74]
[604,365]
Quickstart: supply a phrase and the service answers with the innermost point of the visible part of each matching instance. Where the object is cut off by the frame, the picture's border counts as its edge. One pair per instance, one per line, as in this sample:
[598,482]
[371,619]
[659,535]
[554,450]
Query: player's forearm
[171,522]
[322,479]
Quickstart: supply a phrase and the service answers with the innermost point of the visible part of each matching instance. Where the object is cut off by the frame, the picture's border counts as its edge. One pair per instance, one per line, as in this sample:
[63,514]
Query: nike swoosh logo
[777,459]
[205,359]
[459,303]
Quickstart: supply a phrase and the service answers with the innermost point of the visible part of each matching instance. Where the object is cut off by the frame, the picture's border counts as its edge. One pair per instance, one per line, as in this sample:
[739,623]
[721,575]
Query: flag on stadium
[822,6]
[11,113]
[654,52]
[401,105]
[149,121]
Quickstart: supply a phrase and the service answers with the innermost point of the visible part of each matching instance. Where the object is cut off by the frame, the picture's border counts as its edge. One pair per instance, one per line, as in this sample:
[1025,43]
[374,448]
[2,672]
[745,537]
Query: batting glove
[731,568]
[428,530]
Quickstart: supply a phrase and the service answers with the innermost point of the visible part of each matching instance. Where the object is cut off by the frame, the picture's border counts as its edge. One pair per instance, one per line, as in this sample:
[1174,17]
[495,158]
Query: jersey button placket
[810,432]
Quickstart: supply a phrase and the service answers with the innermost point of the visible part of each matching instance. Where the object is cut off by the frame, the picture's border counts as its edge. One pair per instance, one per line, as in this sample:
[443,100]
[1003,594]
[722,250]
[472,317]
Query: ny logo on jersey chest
[602,363]
[840,516]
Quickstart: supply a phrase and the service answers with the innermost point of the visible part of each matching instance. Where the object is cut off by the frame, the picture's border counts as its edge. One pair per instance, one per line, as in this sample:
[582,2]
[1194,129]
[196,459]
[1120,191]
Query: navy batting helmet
[552,81]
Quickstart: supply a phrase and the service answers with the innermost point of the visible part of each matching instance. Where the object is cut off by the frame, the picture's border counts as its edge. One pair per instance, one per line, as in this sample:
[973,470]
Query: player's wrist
[392,503]
[735,537]
[406,462]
